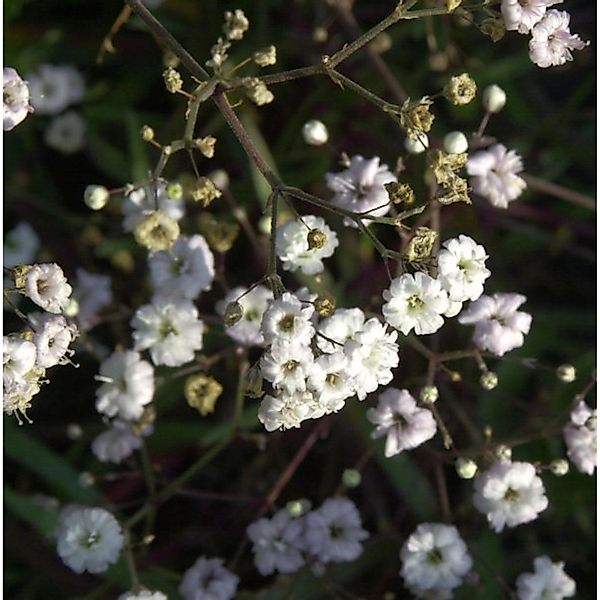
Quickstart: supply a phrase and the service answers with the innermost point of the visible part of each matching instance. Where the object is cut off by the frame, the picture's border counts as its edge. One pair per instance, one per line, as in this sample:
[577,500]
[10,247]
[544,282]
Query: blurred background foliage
[542,246]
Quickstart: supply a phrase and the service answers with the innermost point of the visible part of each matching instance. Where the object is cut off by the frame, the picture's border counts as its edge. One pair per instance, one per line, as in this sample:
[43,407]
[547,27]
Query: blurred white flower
[315,133]
[93,293]
[16,99]
[143,201]
[548,581]
[509,494]
[142,595]
[66,133]
[118,442]
[499,326]
[580,437]
[18,357]
[20,245]
[46,285]
[55,87]
[208,579]
[89,539]
[494,175]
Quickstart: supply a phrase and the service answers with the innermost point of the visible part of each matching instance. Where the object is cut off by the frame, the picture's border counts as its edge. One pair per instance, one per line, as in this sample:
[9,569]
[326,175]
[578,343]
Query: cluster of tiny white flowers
[494,175]
[509,494]
[360,187]
[548,581]
[551,38]
[295,250]
[435,560]
[208,578]
[499,326]
[580,437]
[88,539]
[16,99]
[404,424]
[332,533]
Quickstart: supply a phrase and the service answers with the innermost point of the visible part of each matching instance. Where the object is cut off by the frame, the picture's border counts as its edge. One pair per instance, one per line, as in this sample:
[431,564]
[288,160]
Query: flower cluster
[580,437]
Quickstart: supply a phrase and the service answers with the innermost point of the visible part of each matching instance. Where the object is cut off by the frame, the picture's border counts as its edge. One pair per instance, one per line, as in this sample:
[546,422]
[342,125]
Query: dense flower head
[208,579]
[548,581]
[16,99]
[88,539]
[435,560]
[499,326]
[293,247]
[494,175]
[580,437]
[509,494]
[360,187]
[53,88]
[288,410]
[404,424]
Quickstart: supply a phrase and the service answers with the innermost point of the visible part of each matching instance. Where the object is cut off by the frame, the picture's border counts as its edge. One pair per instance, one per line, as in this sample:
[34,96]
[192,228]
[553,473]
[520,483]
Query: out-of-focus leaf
[23,506]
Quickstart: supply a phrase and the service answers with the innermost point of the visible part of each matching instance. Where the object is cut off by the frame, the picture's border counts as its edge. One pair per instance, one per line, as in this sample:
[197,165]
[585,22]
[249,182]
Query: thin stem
[558,191]
[337,77]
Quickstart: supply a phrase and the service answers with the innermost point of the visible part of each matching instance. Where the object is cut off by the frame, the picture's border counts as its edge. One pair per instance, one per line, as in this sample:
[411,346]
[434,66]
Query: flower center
[415,302]
[287,323]
[434,556]
[511,495]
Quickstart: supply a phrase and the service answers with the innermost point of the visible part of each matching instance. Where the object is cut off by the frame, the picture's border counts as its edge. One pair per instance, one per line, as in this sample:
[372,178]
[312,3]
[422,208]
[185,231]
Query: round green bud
[488,380]
[465,467]
[96,196]
[351,478]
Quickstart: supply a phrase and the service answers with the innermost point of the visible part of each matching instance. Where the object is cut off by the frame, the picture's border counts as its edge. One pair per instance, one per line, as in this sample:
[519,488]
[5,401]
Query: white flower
[334,532]
[434,560]
[117,443]
[287,319]
[331,381]
[52,336]
[580,437]
[499,326]
[461,268]
[277,543]
[55,87]
[548,581]
[93,293]
[286,365]
[254,304]
[20,245]
[47,286]
[494,175]
[128,385]
[340,327]
[509,493]
[415,302]
[66,133]
[398,417]
[171,330]
[143,201]
[208,579]
[89,539]
[552,41]
[315,133]
[142,595]
[522,15]
[16,99]
[360,188]
[294,250]
[19,374]
[18,357]
[183,271]
[372,355]
[287,411]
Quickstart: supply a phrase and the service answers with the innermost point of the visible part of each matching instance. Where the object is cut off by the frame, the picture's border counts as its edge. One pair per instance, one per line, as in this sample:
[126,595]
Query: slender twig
[558,191]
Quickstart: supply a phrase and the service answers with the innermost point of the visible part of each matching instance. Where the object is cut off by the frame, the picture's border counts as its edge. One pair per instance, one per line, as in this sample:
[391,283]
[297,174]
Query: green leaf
[41,518]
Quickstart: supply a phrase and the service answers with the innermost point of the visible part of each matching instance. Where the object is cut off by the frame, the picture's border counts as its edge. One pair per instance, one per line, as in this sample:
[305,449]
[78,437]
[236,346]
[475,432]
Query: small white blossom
[287,320]
[415,302]
[552,41]
[522,15]
[404,424]
[499,326]
[128,385]
[435,560]
[142,594]
[18,357]
[254,304]
[315,133]
[334,532]
[89,539]
[184,270]
[277,543]
[93,293]
[286,365]
[294,250]
[20,376]
[16,99]
[143,201]
[52,336]
[287,411]
[208,579]
[46,285]
[54,87]
[494,175]
[509,494]
[117,443]
[461,268]
[170,330]
[548,581]
[580,437]
[360,188]
[340,327]
[66,133]
[331,381]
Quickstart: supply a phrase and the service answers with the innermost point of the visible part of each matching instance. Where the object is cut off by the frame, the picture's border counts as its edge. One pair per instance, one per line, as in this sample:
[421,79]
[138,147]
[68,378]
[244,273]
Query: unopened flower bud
[351,478]
[315,133]
[325,306]
[460,89]
[174,190]
[253,385]
[72,308]
[265,56]
[416,118]
[465,467]
[257,91]
[417,146]
[86,479]
[559,467]
[173,81]
[147,133]
[566,373]
[493,98]
[233,313]
[316,239]
[488,380]
[297,508]
[452,5]
[503,452]
[202,393]
[74,431]
[429,394]
[96,196]
[456,142]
